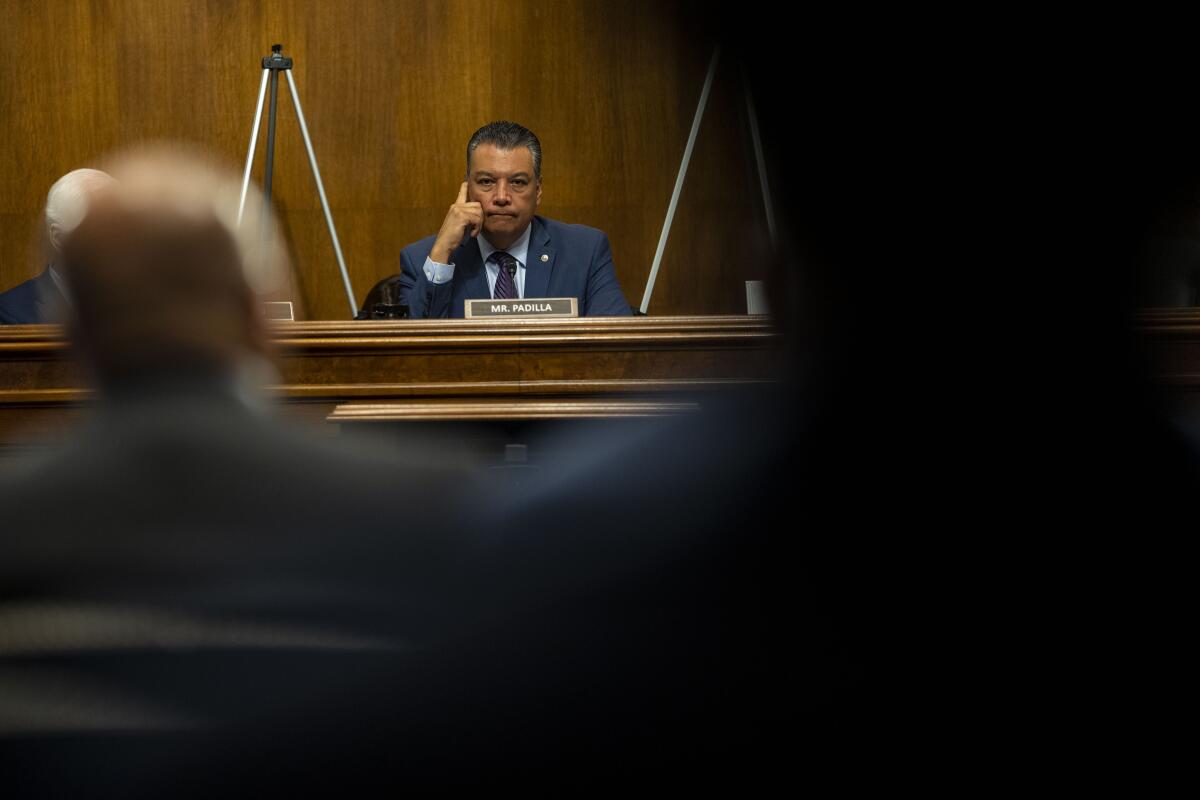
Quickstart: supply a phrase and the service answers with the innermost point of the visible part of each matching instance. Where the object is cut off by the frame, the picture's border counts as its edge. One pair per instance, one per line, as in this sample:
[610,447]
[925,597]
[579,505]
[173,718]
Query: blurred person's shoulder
[201,450]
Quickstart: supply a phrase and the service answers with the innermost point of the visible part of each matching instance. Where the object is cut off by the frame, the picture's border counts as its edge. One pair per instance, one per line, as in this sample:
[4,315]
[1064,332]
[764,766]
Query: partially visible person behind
[44,298]
[186,561]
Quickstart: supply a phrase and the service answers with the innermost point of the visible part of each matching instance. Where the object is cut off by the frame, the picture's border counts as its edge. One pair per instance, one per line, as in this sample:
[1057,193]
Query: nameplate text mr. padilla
[533,307]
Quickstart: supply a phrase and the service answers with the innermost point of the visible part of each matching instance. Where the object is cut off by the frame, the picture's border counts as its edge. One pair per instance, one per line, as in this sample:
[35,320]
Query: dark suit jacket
[578,264]
[34,301]
[342,616]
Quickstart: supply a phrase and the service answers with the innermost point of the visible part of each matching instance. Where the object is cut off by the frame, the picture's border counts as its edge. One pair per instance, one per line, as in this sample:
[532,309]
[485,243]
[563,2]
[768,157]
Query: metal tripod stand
[272,66]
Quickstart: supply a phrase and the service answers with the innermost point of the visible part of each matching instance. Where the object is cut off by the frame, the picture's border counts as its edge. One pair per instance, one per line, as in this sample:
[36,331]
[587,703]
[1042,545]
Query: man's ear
[56,237]
[538,198]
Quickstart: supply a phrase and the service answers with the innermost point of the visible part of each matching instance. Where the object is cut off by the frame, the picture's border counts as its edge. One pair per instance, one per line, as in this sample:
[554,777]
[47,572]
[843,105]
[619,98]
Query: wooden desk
[1170,338]
[450,370]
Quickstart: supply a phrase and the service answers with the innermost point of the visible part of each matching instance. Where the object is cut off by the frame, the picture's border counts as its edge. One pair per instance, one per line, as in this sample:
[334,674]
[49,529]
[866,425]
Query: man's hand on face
[461,217]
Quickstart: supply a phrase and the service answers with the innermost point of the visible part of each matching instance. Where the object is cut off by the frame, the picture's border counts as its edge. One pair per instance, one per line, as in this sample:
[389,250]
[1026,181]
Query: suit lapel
[537,268]
[48,300]
[469,264]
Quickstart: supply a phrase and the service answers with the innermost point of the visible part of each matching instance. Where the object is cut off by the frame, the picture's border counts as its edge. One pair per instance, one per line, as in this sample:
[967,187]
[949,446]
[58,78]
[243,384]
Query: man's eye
[485,181]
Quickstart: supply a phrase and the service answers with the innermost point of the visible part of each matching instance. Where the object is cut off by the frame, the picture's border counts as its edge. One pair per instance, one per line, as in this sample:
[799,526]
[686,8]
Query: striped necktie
[506,287]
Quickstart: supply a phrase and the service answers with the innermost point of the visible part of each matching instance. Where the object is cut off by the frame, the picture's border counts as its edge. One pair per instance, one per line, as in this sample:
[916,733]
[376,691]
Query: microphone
[511,268]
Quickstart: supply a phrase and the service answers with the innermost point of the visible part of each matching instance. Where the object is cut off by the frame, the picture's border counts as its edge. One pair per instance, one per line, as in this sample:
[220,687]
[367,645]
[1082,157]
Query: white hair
[66,202]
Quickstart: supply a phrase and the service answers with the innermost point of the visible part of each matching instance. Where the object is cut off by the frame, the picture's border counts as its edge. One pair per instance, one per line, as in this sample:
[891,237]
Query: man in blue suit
[492,244]
[35,301]
[43,298]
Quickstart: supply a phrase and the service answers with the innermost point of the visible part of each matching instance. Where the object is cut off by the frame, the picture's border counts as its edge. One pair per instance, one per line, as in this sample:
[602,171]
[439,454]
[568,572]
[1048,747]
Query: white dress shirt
[438,273]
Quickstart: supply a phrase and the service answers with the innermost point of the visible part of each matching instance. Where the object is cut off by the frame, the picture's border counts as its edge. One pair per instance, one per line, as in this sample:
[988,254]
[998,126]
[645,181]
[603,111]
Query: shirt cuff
[436,273]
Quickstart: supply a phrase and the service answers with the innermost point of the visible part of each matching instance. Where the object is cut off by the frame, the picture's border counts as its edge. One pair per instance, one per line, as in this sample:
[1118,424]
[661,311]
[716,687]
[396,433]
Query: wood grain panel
[391,91]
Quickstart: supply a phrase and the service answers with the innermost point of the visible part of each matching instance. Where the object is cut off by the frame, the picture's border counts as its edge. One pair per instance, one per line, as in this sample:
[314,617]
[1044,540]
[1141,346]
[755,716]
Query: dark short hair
[507,136]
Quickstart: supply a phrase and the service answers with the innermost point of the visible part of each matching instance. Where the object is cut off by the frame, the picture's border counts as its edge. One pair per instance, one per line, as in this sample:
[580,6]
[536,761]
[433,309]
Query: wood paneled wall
[391,92]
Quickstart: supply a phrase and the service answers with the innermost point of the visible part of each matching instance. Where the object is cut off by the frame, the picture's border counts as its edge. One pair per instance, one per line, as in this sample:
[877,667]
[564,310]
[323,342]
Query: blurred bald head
[160,273]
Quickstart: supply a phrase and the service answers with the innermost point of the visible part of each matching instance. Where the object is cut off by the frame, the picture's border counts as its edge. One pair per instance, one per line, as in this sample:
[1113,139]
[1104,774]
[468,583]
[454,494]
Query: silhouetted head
[164,281]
